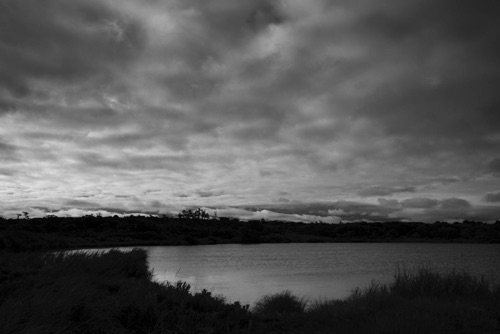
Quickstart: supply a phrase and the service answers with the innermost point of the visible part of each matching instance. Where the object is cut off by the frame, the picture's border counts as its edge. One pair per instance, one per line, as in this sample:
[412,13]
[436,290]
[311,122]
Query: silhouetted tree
[199,213]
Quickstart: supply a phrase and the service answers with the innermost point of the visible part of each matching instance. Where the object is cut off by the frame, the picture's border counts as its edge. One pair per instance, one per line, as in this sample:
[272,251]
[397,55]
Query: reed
[425,280]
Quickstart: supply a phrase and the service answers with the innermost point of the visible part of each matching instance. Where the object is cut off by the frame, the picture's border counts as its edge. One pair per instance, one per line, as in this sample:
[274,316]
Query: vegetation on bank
[91,231]
[104,293]
[114,293]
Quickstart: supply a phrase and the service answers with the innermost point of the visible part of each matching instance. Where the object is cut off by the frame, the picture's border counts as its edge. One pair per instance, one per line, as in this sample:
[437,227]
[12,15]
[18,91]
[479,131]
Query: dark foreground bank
[114,293]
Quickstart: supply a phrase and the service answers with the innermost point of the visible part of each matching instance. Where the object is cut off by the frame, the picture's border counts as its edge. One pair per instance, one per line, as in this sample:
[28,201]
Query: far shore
[104,232]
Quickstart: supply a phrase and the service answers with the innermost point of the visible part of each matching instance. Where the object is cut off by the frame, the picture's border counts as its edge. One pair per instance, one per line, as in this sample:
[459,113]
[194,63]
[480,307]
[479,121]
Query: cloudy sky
[281,109]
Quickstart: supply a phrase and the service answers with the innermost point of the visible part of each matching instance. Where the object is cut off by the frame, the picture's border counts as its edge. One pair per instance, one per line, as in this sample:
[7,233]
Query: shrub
[283,302]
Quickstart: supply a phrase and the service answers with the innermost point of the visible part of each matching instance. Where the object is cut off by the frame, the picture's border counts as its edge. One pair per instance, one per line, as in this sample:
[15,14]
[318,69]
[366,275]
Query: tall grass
[428,281]
[104,293]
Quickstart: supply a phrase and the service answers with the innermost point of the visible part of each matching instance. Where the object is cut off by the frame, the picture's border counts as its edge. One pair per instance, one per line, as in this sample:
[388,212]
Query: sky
[331,110]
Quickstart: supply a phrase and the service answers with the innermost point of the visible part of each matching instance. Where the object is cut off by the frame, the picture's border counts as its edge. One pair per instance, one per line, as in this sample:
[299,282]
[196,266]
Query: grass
[427,281]
[114,293]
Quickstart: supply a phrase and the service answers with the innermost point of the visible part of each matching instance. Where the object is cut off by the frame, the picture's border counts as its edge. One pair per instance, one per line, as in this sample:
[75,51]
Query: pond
[325,270]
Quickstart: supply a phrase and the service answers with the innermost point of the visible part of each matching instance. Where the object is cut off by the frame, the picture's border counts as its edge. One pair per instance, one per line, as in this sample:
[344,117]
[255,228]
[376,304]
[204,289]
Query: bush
[283,302]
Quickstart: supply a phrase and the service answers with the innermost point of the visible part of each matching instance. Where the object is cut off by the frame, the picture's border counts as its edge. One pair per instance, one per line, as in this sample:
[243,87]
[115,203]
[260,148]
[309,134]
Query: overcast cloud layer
[299,110]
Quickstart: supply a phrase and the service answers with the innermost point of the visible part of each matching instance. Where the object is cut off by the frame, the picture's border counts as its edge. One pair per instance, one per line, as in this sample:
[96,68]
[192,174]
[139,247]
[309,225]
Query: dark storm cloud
[347,210]
[445,180]
[457,20]
[494,166]
[211,31]
[81,204]
[419,203]
[7,151]
[430,86]
[209,193]
[450,203]
[6,105]
[62,41]
[266,13]
[80,118]
[6,147]
[427,203]
[478,213]
[123,196]
[389,202]
[96,160]
[234,21]
[248,108]
[8,171]
[118,140]
[453,41]
[124,161]
[492,198]
[156,204]
[270,173]
[414,209]
[281,200]
[384,191]
[447,209]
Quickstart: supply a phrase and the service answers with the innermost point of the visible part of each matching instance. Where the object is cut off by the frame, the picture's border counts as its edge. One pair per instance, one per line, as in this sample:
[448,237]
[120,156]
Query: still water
[247,272]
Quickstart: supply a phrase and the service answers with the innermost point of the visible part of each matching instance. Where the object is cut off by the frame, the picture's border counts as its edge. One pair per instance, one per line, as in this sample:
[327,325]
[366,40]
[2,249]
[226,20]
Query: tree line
[195,227]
